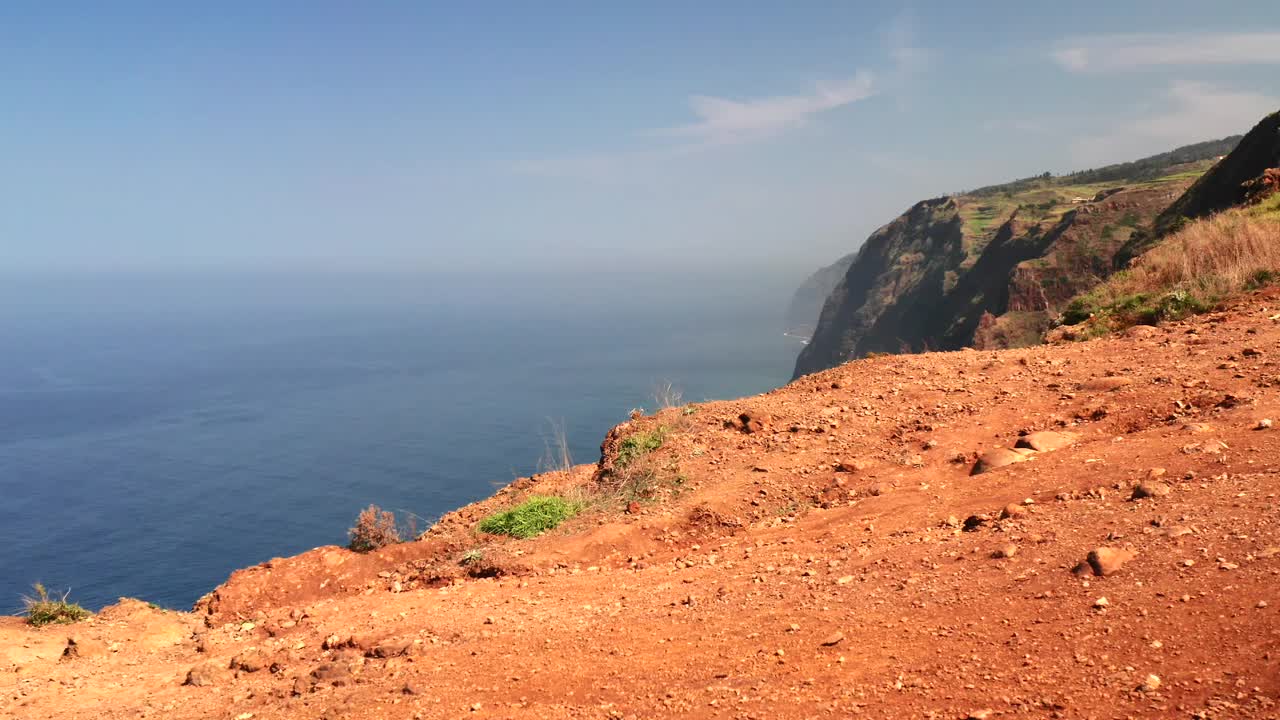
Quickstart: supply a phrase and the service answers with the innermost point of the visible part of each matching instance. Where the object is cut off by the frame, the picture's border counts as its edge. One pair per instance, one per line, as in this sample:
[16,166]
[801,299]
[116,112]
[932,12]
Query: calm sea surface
[158,433]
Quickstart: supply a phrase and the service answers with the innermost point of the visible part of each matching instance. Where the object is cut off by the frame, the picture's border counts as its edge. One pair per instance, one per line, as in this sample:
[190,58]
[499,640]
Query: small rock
[79,646]
[973,522]
[204,675]
[1261,604]
[1150,683]
[1107,560]
[393,647]
[330,671]
[1013,511]
[633,508]
[979,714]
[302,686]
[1101,603]
[832,639]
[1047,440]
[1105,384]
[1006,551]
[1150,489]
[852,466]
[998,458]
[249,662]
[1263,424]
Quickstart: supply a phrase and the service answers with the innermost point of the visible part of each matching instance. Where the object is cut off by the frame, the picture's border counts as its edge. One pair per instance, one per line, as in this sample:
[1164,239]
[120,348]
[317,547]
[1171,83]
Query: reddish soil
[771,585]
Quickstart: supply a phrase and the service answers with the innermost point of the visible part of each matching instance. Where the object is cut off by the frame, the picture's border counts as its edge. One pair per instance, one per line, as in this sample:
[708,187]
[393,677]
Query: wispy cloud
[723,120]
[1110,53]
[1190,112]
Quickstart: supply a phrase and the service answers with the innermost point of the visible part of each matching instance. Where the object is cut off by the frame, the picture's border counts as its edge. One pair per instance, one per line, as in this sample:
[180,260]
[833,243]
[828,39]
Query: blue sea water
[157,432]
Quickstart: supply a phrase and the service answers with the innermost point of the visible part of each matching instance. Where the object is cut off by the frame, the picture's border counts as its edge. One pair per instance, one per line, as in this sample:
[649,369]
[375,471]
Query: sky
[563,136]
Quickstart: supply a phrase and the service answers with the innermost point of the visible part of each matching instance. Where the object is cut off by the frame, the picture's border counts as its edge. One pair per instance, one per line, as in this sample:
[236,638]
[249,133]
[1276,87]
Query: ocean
[158,432]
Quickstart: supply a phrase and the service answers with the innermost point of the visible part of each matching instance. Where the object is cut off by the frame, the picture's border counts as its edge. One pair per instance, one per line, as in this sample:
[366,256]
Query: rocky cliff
[802,313]
[993,267]
[1223,186]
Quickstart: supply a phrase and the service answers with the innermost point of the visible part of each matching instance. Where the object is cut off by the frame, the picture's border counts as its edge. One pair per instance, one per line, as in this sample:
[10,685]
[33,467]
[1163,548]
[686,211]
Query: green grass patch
[46,610]
[638,445]
[530,518]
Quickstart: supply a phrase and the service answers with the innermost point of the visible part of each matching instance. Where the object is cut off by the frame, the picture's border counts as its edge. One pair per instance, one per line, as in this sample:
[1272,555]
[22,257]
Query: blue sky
[573,136]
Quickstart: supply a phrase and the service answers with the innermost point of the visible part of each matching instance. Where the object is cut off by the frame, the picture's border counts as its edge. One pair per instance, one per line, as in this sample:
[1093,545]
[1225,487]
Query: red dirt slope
[838,560]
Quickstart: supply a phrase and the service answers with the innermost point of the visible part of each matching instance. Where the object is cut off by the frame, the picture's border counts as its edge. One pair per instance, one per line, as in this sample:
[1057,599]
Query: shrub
[532,517]
[374,528]
[44,610]
[638,445]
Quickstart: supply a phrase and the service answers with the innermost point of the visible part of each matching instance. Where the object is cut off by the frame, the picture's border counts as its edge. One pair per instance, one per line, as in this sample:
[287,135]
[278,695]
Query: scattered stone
[1150,683]
[1006,551]
[998,458]
[1012,511]
[852,466]
[1106,384]
[832,639]
[1107,560]
[1047,440]
[79,646]
[249,662]
[330,672]
[391,647]
[205,674]
[1150,489]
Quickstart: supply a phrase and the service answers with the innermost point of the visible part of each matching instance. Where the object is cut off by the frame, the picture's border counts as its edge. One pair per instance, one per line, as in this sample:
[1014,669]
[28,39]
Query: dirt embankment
[833,555]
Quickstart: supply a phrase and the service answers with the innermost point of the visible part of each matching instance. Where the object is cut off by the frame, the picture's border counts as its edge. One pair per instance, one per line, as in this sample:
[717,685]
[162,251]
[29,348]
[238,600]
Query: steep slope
[1222,187]
[802,313]
[832,556]
[993,267]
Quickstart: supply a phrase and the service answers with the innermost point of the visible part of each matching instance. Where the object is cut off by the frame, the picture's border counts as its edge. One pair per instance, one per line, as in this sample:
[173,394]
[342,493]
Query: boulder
[1150,489]
[997,458]
[1105,561]
[1047,440]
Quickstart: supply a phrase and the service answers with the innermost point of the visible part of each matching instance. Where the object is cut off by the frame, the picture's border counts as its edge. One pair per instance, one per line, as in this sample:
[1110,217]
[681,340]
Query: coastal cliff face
[994,267]
[806,304]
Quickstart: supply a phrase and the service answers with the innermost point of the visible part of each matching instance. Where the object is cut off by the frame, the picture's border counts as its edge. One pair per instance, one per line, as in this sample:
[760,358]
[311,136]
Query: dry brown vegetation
[374,528]
[1199,266]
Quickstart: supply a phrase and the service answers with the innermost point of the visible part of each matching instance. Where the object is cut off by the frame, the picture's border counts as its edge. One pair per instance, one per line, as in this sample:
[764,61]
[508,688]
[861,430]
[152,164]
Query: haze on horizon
[573,136]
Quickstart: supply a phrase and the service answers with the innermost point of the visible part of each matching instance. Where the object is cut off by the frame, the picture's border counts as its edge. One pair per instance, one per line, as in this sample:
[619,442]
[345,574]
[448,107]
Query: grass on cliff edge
[640,444]
[1190,272]
[45,610]
[530,518]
